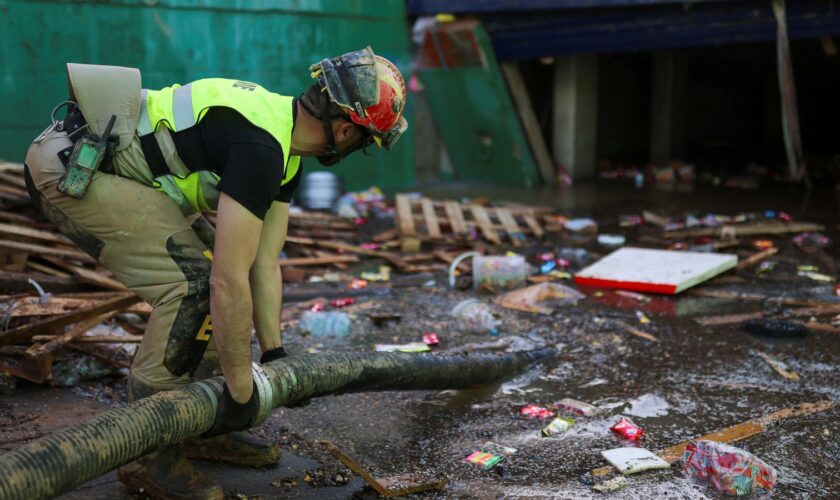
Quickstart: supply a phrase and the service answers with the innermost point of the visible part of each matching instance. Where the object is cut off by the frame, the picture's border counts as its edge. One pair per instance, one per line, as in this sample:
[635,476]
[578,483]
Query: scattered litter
[642,318]
[633,295]
[578,225]
[431,338]
[380,318]
[813,275]
[358,284]
[730,470]
[536,412]
[660,271]
[777,366]
[384,274]
[317,307]
[473,315]
[633,460]
[326,324]
[611,240]
[410,347]
[612,485]
[763,244]
[547,267]
[814,240]
[499,272]
[558,426]
[484,459]
[625,429]
[497,449]
[542,298]
[776,328]
[577,407]
[343,302]
[629,220]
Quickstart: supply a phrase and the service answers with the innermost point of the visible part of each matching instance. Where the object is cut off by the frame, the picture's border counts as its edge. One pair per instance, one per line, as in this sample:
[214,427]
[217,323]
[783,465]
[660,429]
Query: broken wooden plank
[740,318]
[635,331]
[33,369]
[756,297]
[746,230]
[88,276]
[16,282]
[533,225]
[778,366]
[511,227]
[45,250]
[484,224]
[318,261]
[405,220]
[25,332]
[35,234]
[756,258]
[456,218]
[429,214]
[78,330]
[99,339]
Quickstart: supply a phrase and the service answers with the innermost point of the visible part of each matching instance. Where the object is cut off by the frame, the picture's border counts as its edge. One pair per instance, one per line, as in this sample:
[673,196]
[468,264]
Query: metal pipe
[63,460]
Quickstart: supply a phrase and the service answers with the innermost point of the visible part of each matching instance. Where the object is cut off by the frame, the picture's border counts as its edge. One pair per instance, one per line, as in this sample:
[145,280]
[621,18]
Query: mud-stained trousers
[141,236]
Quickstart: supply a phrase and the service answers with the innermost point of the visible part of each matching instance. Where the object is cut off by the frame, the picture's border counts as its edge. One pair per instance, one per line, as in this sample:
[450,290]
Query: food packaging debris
[806,269]
[547,267]
[813,240]
[326,324]
[837,290]
[547,256]
[370,246]
[611,240]
[633,295]
[486,460]
[560,275]
[625,429]
[629,220]
[563,263]
[497,449]
[317,307]
[642,318]
[358,284]
[384,274]
[430,338]
[410,347]
[728,469]
[658,271]
[786,217]
[359,221]
[612,485]
[576,407]
[342,302]
[493,272]
[633,460]
[577,225]
[763,244]
[558,426]
[765,266]
[541,298]
[536,411]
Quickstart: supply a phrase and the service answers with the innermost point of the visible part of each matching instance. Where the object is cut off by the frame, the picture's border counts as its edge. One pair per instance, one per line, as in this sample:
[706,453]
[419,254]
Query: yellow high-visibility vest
[181,107]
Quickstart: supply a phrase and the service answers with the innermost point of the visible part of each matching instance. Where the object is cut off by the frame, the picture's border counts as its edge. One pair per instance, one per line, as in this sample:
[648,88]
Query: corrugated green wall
[271,42]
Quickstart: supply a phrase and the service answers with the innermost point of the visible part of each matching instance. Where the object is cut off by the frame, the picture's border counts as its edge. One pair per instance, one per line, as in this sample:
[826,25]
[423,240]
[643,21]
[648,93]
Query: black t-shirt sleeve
[252,176]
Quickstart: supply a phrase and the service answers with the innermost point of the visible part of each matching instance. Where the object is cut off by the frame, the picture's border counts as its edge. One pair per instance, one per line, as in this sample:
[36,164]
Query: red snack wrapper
[545,257]
[785,216]
[763,244]
[343,302]
[537,412]
[359,221]
[625,429]
[316,308]
[563,263]
[430,338]
[357,284]
[371,246]
[730,470]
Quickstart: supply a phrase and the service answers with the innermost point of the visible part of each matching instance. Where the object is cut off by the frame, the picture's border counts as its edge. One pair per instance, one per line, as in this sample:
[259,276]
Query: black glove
[272,355]
[232,416]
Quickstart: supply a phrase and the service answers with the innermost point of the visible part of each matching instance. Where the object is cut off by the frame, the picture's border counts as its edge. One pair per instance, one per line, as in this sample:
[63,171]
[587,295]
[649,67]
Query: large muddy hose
[68,458]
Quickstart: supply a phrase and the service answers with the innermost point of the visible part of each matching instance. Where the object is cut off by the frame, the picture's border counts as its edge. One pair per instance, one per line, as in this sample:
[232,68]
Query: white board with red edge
[657,271]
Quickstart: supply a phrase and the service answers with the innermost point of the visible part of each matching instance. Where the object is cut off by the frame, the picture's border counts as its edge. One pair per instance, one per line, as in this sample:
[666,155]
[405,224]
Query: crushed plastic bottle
[730,470]
[473,315]
[326,324]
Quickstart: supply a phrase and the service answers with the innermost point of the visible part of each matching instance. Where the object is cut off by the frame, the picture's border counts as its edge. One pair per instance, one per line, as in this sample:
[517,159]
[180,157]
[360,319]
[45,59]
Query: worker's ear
[345,132]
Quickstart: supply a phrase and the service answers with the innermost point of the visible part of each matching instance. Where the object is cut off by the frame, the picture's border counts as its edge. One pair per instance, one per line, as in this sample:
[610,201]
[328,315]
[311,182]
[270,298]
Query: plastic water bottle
[326,324]
[473,315]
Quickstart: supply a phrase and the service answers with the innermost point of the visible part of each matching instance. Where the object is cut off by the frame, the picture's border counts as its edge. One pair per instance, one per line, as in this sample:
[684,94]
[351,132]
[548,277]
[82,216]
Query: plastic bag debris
[730,470]
[497,449]
[813,240]
[342,302]
[473,315]
[536,412]
[577,225]
[633,460]
[576,407]
[410,347]
[627,430]
[326,324]
[611,240]
[431,338]
[542,298]
[486,460]
[558,426]
[778,328]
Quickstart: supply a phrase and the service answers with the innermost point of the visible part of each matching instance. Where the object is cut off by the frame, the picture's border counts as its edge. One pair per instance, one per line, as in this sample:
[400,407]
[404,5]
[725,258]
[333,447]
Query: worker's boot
[239,448]
[165,474]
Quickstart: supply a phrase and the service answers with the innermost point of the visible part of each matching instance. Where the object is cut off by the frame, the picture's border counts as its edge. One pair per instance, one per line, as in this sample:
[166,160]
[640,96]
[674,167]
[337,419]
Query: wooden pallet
[433,220]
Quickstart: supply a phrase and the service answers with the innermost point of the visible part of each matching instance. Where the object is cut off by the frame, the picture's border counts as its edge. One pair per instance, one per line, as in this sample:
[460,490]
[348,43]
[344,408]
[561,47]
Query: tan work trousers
[141,236]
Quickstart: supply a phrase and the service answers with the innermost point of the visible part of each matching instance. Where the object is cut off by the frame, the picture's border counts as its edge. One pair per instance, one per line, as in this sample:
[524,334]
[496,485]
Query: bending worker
[163,157]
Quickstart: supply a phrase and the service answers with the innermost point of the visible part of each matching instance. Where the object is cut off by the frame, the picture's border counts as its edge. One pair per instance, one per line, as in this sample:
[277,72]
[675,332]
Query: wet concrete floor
[692,381]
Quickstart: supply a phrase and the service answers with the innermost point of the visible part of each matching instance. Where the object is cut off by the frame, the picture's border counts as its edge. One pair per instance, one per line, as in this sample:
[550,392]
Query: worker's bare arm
[266,281]
[237,239]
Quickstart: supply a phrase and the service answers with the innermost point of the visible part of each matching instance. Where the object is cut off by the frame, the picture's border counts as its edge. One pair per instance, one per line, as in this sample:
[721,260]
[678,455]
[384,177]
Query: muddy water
[693,381]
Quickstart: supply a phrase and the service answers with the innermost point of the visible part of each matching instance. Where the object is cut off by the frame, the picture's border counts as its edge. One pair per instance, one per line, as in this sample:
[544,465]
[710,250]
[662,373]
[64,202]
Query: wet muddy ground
[694,380]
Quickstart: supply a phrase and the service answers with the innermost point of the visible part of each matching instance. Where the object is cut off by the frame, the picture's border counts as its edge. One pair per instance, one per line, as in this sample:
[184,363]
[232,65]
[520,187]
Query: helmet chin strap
[331,155]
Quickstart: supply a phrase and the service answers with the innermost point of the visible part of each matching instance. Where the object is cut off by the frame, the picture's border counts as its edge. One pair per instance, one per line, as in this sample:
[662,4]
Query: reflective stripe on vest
[179,108]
